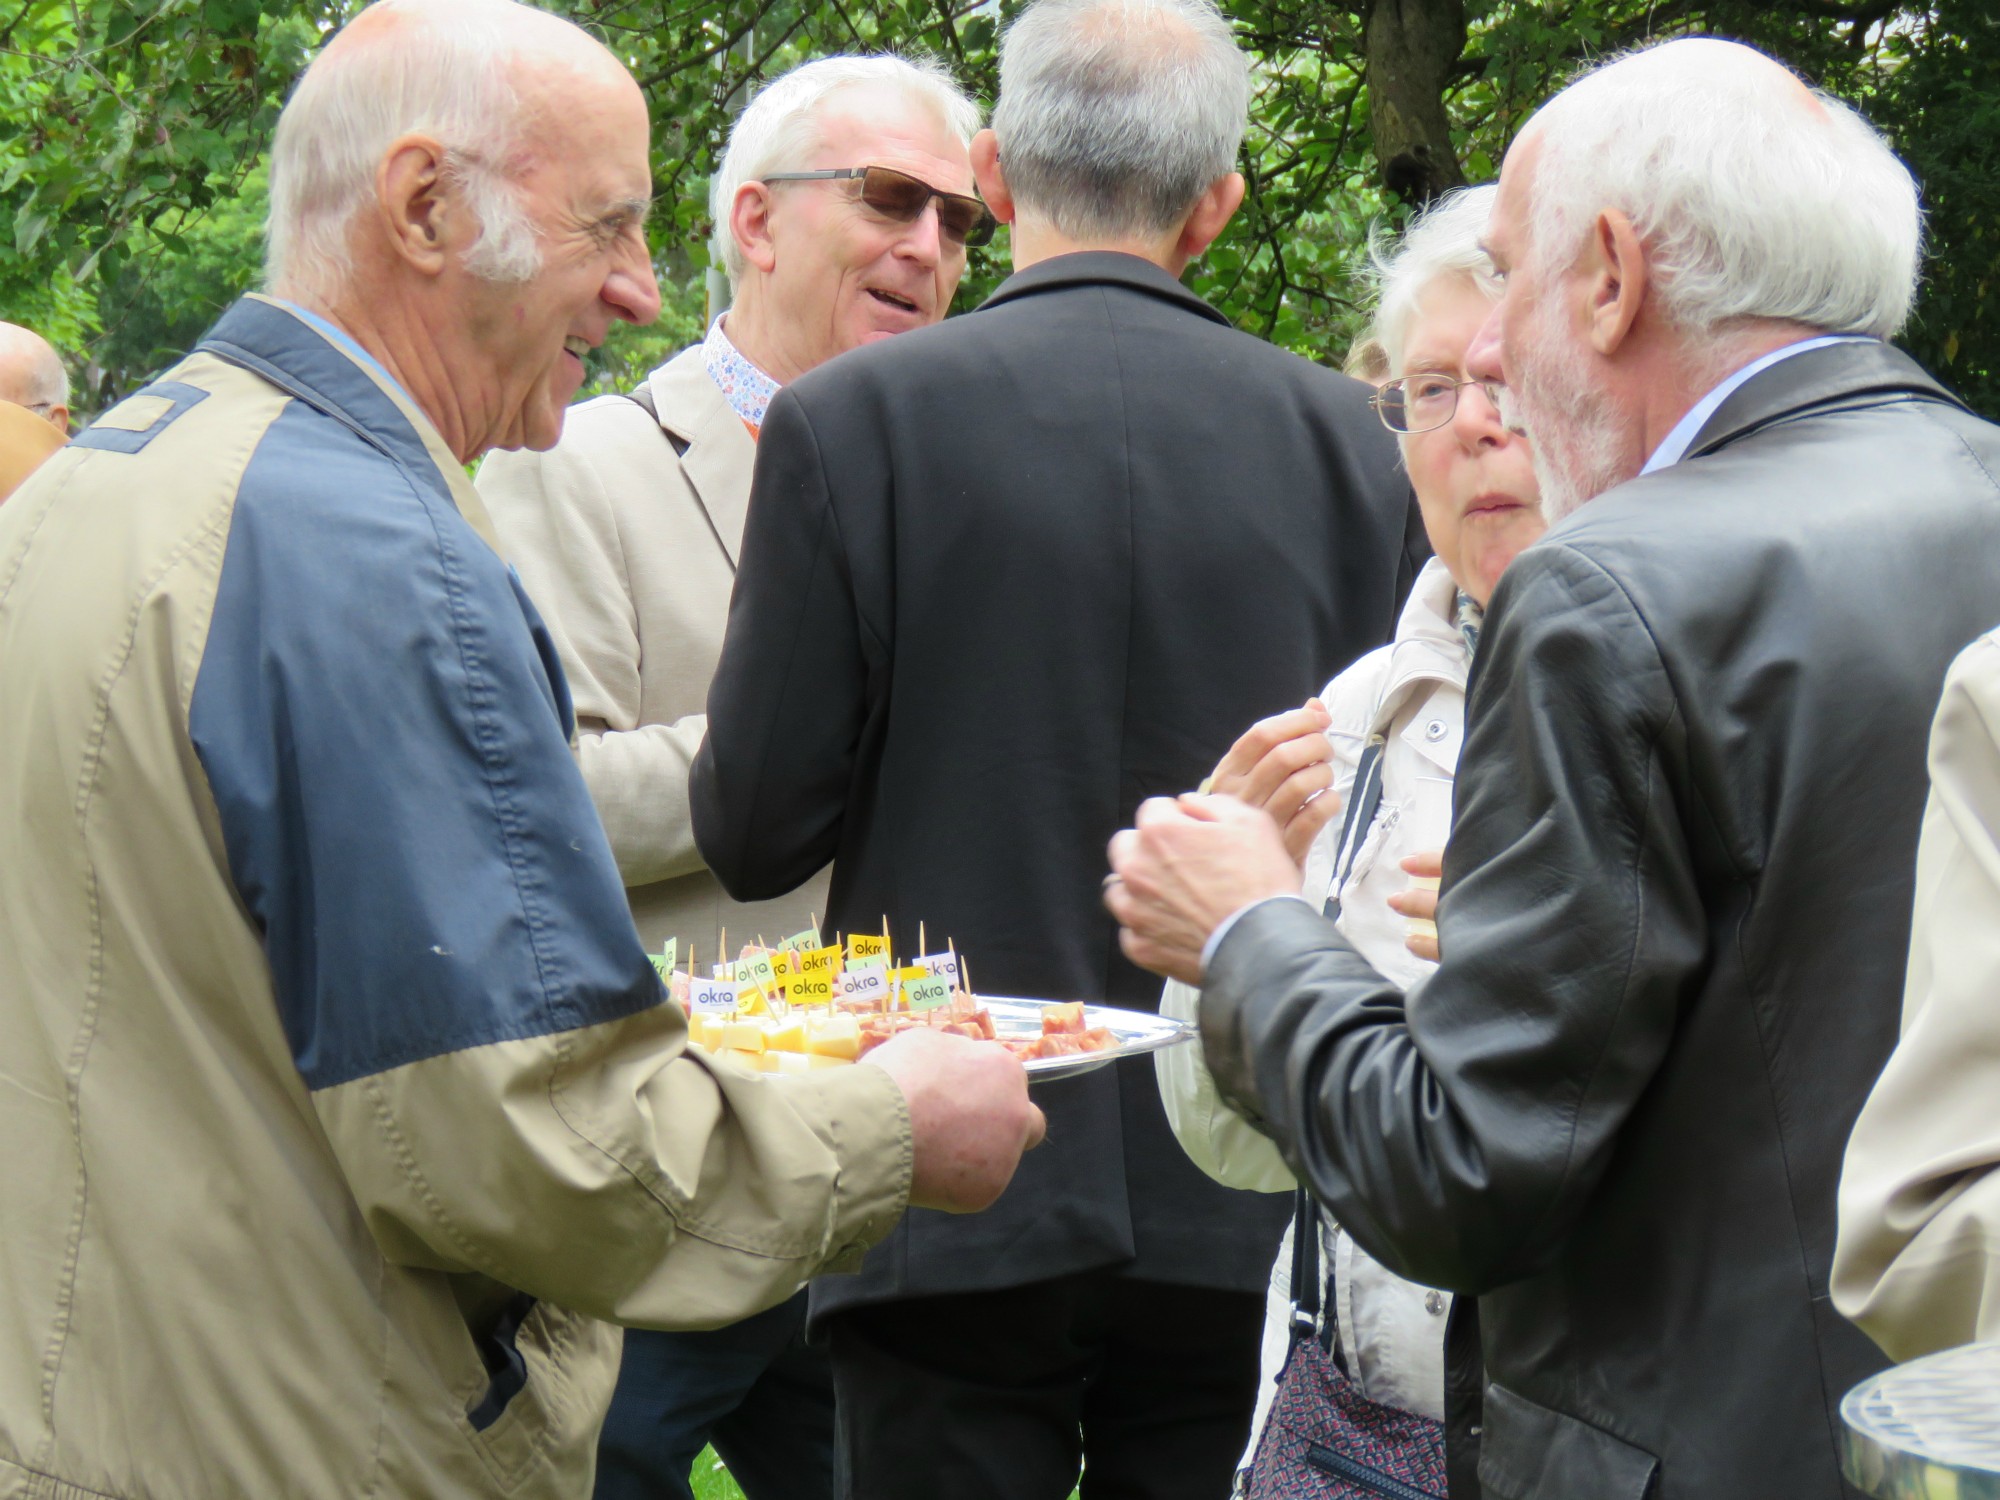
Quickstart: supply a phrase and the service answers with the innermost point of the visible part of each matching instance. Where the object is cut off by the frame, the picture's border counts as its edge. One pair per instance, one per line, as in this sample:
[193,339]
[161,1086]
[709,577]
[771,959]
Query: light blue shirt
[346,342]
[1676,444]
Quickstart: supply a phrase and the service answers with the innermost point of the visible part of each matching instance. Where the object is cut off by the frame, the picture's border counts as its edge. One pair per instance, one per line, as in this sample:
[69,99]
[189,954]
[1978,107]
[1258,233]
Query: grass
[712,1482]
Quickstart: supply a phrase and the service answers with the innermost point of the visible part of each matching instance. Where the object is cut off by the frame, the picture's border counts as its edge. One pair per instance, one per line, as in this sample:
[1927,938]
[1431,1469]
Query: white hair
[453,82]
[1442,244]
[1116,115]
[780,128]
[1754,199]
[43,381]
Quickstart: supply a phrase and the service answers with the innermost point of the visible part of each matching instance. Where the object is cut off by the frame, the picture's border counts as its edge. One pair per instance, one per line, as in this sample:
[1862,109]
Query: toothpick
[957,963]
[921,945]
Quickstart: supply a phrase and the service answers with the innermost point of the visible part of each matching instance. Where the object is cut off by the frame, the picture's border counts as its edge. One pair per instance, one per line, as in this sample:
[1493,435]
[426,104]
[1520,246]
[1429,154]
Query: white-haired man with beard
[1677,895]
[343,1116]
[843,209]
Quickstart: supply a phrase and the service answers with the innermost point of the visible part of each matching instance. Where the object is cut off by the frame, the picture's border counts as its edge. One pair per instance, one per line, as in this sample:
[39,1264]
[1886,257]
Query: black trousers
[754,1389]
[1148,1388]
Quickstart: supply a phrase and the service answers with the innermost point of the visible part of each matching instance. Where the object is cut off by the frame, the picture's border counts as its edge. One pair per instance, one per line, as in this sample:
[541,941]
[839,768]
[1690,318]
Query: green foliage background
[132,135]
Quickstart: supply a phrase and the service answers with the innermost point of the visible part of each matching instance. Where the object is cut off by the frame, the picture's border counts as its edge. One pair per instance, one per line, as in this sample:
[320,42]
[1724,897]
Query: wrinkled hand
[970,1116]
[1284,765]
[1420,903]
[1187,865]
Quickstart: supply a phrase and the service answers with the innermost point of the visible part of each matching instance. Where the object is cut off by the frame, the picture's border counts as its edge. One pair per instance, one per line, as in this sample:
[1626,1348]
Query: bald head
[32,375]
[1756,197]
[479,77]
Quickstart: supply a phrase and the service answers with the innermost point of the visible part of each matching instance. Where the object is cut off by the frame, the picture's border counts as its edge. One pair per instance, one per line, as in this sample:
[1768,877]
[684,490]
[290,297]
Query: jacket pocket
[1530,1452]
[506,1370]
[549,1376]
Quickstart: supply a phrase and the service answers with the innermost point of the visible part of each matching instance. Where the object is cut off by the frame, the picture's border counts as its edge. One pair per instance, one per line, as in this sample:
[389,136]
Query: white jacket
[1918,1260]
[1412,693]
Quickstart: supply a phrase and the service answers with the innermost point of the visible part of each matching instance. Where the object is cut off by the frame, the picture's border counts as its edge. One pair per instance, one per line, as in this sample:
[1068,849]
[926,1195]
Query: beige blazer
[629,552]
[1918,1260]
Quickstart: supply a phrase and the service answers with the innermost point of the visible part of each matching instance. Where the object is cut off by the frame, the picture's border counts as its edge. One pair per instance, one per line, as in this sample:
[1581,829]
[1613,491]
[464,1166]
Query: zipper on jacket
[1373,1480]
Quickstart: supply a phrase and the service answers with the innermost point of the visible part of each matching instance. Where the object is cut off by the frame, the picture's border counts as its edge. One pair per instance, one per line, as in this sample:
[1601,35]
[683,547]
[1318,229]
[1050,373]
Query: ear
[415,203]
[1615,273]
[59,416]
[985,154]
[750,225]
[1211,215]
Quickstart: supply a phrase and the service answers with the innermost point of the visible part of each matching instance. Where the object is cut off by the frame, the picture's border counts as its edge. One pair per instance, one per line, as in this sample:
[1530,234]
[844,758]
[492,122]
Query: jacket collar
[1099,268]
[716,449]
[1863,372]
[269,339]
[1429,648]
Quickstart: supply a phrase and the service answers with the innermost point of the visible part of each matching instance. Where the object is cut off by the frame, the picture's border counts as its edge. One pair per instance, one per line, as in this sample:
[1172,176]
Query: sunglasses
[901,197]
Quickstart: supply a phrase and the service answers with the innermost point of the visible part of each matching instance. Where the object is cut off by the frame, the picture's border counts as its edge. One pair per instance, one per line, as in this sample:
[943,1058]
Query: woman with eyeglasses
[1360,780]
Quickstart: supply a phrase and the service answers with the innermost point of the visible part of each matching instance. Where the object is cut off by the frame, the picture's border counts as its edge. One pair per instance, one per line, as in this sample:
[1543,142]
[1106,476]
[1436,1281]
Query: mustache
[1511,416]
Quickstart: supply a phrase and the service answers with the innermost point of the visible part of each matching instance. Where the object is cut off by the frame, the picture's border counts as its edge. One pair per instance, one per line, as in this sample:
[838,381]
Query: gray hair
[1116,115]
[1754,200]
[44,381]
[779,128]
[454,82]
[1443,243]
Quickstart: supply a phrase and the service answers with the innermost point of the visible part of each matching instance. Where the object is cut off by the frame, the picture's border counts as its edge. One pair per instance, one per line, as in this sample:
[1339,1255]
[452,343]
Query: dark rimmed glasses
[1424,403]
[901,197]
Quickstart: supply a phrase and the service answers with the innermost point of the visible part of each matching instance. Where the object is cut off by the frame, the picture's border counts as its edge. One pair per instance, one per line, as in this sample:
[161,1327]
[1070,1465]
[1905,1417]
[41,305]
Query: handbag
[1324,1440]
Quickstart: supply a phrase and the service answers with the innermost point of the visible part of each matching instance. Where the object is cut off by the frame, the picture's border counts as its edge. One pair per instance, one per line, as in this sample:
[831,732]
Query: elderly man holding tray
[626,534]
[342,1116]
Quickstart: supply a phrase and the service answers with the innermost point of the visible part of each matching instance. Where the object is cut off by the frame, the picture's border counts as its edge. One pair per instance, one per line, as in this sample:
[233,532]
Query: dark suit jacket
[1676,908]
[1000,580]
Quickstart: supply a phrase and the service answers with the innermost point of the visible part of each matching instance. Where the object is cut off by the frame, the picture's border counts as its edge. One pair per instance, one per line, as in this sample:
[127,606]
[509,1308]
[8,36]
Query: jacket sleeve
[1217,1139]
[499,1077]
[1917,1264]
[559,522]
[1457,1131]
[792,690]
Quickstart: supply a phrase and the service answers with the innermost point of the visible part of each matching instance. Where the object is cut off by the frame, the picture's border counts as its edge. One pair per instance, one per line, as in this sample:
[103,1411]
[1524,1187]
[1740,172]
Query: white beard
[1573,430]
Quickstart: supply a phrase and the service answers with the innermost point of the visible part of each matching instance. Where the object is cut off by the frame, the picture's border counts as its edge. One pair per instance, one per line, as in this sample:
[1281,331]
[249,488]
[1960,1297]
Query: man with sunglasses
[1002,579]
[843,207]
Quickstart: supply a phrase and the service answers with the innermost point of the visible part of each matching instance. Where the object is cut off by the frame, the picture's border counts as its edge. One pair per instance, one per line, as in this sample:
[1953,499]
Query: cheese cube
[834,1036]
[785,1036]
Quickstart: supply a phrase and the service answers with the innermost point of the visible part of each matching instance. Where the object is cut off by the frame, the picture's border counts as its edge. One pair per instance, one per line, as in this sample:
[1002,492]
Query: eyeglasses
[901,197]
[1424,403]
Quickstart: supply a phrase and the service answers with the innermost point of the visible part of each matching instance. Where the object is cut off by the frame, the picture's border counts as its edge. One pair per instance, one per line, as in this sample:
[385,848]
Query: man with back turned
[1001,579]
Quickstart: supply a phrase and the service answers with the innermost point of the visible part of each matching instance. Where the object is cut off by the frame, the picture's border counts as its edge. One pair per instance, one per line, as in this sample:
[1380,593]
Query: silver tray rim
[1138,1031]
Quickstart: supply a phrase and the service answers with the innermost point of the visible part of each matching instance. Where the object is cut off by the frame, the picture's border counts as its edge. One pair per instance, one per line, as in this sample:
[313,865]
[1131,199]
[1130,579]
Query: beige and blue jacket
[341,1116]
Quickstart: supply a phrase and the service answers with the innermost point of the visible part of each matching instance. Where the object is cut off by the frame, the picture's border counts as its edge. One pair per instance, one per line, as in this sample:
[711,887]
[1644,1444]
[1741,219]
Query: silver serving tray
[1928,1428]
[1137,1031]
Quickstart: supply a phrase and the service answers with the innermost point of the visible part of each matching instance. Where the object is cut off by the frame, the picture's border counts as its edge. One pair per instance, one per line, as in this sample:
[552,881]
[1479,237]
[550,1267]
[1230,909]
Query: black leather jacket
[1675,913]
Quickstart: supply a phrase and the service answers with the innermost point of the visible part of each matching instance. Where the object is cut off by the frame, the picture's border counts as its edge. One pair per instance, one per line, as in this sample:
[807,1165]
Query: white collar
[1675,447]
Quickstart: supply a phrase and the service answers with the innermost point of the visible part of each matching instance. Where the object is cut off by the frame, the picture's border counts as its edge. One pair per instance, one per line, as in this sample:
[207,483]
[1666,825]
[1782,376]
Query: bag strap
[1305,1266]
[1364,800]
[643,399]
